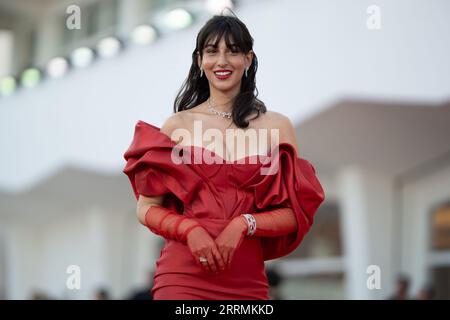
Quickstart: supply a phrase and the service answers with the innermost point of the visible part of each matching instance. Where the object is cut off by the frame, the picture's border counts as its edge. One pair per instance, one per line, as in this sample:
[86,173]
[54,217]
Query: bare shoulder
[287,132]
[275,118]
[175,121]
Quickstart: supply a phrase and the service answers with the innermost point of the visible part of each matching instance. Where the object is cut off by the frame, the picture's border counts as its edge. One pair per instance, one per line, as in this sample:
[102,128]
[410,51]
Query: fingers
[230,257]
[225,252]
[215,262]
[225,255]
[219,259]
[211,262]
[202,265]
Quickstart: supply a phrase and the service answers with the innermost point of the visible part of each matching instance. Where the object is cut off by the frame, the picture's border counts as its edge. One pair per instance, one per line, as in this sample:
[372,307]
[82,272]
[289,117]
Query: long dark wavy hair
[195,89]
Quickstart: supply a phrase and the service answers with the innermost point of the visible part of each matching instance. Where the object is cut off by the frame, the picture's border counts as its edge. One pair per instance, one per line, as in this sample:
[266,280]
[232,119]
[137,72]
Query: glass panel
[108,15]
[88,24]
[91,18]
[157,4]
[441,228]
[67,36]
[441,283]
[324,238]
[323,286]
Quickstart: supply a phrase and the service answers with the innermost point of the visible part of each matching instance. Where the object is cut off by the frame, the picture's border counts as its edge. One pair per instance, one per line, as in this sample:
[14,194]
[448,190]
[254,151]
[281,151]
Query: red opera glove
[172,225]
[169,224]
[202,245]
[274,223]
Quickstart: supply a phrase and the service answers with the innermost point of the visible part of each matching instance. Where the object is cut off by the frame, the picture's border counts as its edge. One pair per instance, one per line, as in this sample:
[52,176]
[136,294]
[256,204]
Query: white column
[47,40]
[22,263]
[97,275]
[141,255]
[129,253]
[3,275]
[6,52]
[122,252]
[146,252]
[367,204]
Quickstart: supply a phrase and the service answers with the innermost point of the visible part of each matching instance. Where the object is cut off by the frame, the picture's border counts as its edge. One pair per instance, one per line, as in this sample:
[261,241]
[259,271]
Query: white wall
[323,50]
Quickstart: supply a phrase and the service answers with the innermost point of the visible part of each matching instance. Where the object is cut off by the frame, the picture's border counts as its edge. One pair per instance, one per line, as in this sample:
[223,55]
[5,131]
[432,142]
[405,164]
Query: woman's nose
[222,59]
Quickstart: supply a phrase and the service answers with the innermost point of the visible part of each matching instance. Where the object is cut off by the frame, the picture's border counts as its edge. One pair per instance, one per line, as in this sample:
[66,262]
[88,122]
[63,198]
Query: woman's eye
[232,51]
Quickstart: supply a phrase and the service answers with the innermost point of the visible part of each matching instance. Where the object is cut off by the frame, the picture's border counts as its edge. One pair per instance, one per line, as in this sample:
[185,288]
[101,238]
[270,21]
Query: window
[315,270]
[441,282]
[439,257]
[90,19]
[324,237]
[157,4]
[441,228]
[97,19]
[320,286]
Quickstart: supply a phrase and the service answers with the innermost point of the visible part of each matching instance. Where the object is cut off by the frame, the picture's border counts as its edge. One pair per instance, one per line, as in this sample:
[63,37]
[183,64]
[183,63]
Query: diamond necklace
[223,114]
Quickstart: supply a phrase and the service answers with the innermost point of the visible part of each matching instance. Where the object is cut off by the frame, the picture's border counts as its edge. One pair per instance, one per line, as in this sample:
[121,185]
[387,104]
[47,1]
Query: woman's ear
[199,60]
[249,58]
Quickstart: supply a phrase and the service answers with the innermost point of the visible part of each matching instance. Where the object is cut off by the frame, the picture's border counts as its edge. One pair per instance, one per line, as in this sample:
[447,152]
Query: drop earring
[246,70]
[201,72]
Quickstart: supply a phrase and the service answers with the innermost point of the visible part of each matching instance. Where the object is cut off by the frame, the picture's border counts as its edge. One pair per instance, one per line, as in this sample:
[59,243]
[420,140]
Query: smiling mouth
[222,74]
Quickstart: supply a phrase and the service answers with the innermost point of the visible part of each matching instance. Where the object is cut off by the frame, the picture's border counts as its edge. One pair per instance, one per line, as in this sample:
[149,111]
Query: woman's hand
[231,238]
[201,244]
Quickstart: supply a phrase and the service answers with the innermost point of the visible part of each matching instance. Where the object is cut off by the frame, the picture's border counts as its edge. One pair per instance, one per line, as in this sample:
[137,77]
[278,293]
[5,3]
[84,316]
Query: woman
[223,216]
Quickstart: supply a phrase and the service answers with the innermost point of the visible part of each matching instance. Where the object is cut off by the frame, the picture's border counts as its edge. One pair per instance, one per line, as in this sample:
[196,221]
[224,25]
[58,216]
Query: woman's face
[223,58]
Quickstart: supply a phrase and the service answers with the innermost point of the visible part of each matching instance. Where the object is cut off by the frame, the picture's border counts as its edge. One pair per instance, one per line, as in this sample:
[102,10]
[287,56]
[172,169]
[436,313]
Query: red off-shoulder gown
[213,194]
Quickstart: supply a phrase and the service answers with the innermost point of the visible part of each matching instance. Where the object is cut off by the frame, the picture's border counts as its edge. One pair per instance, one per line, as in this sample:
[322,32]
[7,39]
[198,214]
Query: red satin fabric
[212,194]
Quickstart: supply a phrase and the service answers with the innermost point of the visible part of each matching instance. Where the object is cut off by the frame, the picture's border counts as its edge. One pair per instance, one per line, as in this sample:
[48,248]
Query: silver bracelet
[251,222]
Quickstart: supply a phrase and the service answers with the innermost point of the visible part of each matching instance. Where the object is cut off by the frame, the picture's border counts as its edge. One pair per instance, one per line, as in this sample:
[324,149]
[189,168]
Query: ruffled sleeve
[152,172]
[294,184]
